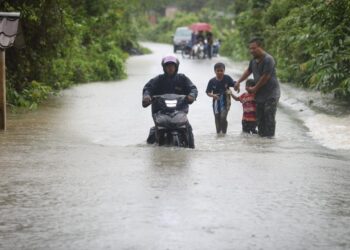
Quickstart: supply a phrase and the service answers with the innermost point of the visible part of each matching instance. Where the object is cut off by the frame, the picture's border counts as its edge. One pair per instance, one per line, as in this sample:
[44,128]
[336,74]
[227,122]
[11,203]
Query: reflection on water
[167,157]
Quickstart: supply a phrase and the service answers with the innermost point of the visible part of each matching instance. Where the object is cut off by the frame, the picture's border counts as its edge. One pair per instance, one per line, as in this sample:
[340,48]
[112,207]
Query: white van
[181,37]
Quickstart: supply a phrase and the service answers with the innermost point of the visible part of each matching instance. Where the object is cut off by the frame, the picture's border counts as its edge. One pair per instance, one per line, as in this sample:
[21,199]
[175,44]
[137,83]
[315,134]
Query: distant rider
[171,82]
[210,42]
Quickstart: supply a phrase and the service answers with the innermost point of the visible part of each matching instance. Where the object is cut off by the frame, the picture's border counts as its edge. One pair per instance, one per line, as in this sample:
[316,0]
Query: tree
[67,42]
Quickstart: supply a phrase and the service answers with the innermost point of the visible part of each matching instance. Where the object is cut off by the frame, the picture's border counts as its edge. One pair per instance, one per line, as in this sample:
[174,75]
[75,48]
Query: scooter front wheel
[176,140]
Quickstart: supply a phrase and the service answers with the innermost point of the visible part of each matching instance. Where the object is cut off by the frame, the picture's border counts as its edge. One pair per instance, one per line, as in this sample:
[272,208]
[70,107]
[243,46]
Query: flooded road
[77,174]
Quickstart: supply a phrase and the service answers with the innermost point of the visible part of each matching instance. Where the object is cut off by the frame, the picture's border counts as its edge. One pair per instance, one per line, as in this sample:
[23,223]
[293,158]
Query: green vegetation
[313,44]
[67,42]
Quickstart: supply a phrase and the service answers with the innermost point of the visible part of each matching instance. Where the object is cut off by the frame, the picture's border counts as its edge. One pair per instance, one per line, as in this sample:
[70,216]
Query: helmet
[170,59]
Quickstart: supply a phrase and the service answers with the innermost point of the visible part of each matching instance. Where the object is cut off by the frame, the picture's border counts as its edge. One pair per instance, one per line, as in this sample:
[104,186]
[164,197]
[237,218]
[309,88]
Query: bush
[233,46]
[30,96]
[312,46]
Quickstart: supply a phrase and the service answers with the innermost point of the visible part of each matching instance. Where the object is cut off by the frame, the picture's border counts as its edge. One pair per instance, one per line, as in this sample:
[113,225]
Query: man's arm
[148,92]
[245,75]
[262,81]
[193,92]
[148,88]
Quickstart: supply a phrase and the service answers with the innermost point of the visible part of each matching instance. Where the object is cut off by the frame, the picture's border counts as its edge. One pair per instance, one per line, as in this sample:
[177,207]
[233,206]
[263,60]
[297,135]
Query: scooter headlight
[171,103]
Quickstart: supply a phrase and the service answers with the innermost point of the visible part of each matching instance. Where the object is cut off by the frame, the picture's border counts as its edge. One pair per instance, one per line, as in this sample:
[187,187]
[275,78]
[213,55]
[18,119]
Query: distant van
[181,37]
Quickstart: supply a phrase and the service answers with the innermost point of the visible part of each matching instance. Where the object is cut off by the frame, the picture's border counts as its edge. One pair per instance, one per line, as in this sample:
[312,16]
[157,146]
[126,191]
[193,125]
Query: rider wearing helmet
[171,82]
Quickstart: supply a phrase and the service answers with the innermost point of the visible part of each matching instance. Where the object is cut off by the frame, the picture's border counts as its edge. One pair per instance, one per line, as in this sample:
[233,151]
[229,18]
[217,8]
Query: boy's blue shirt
[220,87]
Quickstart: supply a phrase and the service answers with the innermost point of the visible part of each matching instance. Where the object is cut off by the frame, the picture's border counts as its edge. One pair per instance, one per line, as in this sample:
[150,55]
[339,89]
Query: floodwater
[77,173]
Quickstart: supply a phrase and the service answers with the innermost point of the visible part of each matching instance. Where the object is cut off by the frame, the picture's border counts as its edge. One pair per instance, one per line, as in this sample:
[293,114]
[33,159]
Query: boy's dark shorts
[249,127]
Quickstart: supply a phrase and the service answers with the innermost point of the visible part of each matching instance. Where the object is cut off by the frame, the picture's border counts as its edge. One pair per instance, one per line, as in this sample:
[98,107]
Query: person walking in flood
[249,109]
[218,88]
[267,89]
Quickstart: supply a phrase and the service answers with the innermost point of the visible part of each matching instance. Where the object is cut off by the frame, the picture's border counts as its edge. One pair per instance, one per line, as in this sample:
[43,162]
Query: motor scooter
[198,50]
[171,123]
[186,50]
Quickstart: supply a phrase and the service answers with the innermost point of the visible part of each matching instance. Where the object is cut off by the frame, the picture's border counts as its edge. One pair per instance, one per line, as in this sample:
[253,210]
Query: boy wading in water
[249,109]
[219,89]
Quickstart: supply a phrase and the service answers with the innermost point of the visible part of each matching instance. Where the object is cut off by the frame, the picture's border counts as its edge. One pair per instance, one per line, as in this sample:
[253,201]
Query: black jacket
[165,84]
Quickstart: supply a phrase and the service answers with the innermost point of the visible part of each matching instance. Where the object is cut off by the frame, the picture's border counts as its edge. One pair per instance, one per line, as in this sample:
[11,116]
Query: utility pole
[8,32]
[2,91]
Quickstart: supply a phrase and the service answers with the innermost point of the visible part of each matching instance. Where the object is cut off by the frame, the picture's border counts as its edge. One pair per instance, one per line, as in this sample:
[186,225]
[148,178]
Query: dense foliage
[66,42]
[312,44]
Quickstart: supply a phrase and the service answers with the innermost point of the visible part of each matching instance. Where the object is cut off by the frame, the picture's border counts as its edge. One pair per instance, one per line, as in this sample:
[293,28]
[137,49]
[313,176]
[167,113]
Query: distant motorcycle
[187,50]
[171,123]
[198,50]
